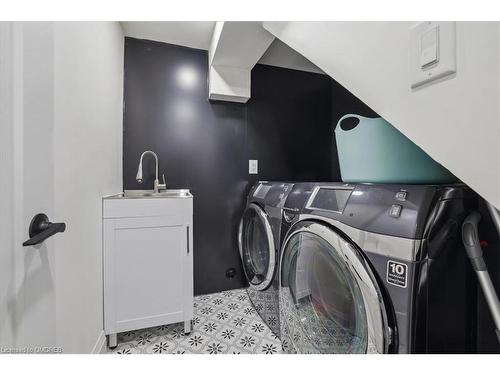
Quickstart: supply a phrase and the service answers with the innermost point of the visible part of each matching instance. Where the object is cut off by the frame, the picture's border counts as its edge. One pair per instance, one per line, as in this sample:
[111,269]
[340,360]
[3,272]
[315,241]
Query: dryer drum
[257,248]
[329,298]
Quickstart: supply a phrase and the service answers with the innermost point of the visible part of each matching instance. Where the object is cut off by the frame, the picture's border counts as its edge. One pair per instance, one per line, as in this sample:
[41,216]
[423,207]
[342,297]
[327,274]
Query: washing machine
[376,269]
[259,239]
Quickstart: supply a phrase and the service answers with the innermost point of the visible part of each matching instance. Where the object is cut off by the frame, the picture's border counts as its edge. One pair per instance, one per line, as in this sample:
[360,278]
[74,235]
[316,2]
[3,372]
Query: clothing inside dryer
[329,304]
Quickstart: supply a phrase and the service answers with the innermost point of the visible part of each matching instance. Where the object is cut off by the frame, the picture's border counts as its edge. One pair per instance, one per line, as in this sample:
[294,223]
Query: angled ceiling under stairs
[455,120]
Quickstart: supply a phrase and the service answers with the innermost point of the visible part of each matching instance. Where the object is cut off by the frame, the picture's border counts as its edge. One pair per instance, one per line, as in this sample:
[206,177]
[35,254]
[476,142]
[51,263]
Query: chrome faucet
[138,177]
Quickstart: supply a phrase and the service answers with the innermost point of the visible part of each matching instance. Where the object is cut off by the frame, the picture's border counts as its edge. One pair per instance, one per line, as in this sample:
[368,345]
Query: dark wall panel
[200,146]
[205,146]
[289,125]
[291,119]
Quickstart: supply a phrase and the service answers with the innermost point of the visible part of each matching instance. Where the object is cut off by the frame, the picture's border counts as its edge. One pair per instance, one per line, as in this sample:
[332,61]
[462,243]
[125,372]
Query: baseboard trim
[100,344]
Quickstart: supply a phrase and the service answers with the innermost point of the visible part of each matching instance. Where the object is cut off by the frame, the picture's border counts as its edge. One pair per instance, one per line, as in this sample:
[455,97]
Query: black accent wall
[205,146]
[289,127]
[291,116]
[200,146]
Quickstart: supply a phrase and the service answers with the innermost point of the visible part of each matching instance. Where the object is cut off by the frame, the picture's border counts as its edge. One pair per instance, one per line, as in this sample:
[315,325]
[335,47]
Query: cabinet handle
[187,231]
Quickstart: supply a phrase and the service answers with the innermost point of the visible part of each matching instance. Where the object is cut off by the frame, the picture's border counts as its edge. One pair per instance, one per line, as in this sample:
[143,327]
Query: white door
[58,84]
[28,305]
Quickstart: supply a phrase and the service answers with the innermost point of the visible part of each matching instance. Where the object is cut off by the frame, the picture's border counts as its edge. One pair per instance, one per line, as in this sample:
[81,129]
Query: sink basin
[169,193]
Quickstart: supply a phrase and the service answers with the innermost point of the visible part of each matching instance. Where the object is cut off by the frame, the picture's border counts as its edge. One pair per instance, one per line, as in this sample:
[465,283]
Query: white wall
[88,89]
[455,121]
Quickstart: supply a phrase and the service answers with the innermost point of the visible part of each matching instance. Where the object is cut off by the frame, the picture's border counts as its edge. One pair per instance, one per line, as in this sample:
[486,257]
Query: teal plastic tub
[372,150]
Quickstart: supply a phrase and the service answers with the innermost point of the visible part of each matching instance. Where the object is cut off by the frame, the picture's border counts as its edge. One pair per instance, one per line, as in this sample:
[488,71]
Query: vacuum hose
[470,239]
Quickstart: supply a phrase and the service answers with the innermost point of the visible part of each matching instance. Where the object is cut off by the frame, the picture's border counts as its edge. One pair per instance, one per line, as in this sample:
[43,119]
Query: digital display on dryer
[330,199]
[261,191]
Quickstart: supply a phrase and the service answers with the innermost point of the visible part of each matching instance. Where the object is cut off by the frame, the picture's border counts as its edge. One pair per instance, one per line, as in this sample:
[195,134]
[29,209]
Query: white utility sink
[169,193]
[148,260]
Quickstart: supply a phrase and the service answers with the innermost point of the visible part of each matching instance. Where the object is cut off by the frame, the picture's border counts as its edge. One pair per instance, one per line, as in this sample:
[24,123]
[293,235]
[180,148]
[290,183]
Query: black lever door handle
[41,229]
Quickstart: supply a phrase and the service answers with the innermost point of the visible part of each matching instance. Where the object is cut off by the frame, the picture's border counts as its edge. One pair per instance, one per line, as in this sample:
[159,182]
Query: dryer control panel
[329,198]
[394,210]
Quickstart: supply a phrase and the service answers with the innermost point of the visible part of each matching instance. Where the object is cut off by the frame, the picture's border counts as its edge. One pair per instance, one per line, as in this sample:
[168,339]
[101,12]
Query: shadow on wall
[36,291]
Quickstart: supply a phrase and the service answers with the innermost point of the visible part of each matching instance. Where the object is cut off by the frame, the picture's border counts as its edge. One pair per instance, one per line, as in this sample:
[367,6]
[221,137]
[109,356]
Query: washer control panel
[395,210]
[401,195]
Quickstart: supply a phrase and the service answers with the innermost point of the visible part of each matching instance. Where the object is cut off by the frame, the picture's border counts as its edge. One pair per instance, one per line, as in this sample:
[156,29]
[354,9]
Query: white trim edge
[100,344]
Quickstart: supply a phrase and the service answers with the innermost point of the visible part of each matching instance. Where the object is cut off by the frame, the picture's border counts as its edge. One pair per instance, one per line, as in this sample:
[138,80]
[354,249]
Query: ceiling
[280,54]
[197,34]
[194,34]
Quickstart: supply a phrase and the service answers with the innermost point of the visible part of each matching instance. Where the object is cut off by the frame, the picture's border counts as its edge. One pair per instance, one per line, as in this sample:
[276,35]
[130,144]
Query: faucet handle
[164,185]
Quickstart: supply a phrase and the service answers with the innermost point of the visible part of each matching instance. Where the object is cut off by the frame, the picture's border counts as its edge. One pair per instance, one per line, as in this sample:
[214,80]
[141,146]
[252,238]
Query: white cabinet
[148,262]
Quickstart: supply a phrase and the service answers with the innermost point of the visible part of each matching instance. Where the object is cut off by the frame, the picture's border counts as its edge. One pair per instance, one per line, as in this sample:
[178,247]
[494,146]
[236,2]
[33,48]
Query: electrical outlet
[230,273]
[253,167]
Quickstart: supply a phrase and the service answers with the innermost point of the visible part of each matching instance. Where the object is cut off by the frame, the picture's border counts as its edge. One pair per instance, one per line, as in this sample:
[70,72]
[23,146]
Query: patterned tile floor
[223,322]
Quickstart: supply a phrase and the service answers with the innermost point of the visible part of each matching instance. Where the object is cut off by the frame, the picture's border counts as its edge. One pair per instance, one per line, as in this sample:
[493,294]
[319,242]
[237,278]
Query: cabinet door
[145,268]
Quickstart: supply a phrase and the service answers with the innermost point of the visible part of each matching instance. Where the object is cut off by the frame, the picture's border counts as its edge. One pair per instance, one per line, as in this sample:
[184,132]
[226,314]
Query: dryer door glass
[257,247]
[324,307]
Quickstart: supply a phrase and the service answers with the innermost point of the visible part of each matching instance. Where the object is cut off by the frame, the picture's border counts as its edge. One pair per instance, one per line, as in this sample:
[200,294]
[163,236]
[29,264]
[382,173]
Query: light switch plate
[429,60]
[429,47]
[253,167]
